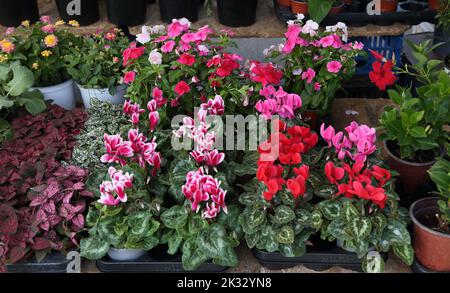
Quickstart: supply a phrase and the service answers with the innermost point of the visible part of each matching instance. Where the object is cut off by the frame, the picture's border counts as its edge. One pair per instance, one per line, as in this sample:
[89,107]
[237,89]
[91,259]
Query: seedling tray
[314,260]
[150,264]
[417,267]
[362,18]
[55,262]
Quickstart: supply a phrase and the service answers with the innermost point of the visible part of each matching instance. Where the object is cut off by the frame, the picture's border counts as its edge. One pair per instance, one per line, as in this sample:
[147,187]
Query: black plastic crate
[55,262]
[315,260]
[362,18]
[154,261]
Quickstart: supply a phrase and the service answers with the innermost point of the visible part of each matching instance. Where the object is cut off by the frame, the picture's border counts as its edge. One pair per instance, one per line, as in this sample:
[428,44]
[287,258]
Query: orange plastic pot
[431,247]
[434,5]
[299,7]
[389,5]
[284,2]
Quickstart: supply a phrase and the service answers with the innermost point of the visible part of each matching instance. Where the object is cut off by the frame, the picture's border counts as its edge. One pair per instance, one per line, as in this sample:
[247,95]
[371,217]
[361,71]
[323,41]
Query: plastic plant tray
[149,264]
[314,260]
[362,18]
[55,262]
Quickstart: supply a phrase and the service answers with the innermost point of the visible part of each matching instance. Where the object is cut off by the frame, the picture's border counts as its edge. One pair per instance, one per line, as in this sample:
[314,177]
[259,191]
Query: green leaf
[360,228]
[267,239]
[247,198]
[175,217]
[149,242]
[139,223]
[296,249]
[33,102]
[256,218]
[192,257]
[196,224]
[5,102]
[396,233]
[316,219]
[418,132]
[106,230]
[174,243]
[93,247]
[214,243]
[252,239]
[349,211]
[285,235]
[92,217]
[338,229]
[331,209]
[373,263]
[379,221]
[405,253]
[319,9]
[284,215]
[22,80]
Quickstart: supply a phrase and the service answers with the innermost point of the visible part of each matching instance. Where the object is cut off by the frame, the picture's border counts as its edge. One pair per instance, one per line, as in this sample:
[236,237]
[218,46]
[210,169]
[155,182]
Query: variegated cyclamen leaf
[395,233]
[316,219]
[93,247]
[247,198]
[360,228]
[331,209]
[293,250]
[256,218]
[349,211]
[285,235]
[267,239]
[373,263]
[287,199]
[338,229]
[303,216]
[252,239]
[379,221]
[284,215]
[175,217]
[405,253]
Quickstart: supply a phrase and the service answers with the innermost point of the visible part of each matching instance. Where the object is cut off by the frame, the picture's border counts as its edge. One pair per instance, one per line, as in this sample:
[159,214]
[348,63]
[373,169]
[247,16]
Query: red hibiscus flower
[382,75]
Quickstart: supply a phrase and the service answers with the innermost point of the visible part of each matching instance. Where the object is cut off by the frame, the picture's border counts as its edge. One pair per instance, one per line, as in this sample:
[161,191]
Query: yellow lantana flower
[46,53]
[51,41]
[26,23]
[3,58]
[35,65]
[74,23]
[59,22]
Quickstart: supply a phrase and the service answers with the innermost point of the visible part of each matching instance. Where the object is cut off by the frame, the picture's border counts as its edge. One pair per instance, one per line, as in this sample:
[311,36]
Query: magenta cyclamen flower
[116,149]
[200,188]
[278,102]
[113,192]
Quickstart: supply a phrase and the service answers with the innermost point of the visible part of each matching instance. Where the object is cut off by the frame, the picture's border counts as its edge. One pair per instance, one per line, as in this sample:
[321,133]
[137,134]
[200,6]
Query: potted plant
[431,219]
[123,14]
[41,48]
[15,82]
[388,6]
[12,13]
[286,3]
[94,64]
[175,9]
[278,216]
[360,207]
[319,9]
[235,13]
[89,13]
[123,222]
[315,64]
[441,33]
[42,206]
[412,132]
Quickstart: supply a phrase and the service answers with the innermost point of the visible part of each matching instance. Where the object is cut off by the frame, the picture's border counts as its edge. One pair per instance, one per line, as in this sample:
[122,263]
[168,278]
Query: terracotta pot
[337,9]
[299,7]
[431,248]
[284,2]
[412,175]
[389,5]
[311,117]
[433,4]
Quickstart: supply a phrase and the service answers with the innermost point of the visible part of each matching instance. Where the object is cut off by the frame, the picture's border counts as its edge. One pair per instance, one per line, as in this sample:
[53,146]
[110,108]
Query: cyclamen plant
[278,217]
[125,213]
[204,228]
[315,62]
[360,207]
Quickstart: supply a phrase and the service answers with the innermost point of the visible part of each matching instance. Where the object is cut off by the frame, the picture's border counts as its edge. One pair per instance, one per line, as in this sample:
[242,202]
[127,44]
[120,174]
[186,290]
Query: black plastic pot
[151,1]
[127,13]
[317,261]
[442,36]
[88,15]
[13,12]
[55,262]
[237,13]
[176,9]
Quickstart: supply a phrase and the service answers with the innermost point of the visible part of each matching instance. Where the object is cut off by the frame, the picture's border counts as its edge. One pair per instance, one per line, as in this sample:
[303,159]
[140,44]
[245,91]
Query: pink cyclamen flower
[129,77]
[186,59]
[327,134]
[309,75]
[182,88]
[334,66]
[106,194]
[214,158]
[116,149]
[153,118]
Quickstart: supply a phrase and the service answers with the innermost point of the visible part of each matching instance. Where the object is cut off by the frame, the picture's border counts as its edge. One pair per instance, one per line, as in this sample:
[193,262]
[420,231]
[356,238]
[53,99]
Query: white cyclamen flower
[155,57]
